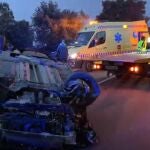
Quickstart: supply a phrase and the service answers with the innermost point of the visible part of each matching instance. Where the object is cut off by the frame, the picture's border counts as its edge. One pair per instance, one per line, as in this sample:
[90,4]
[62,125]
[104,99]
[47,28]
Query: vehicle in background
[107,38]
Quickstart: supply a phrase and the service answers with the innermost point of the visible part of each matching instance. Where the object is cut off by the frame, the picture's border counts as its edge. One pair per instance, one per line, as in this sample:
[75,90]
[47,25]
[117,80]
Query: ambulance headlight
[73,56]
[148,40]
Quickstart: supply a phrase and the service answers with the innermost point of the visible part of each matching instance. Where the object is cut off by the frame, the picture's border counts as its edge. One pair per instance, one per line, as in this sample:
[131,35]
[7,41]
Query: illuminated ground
[121,115]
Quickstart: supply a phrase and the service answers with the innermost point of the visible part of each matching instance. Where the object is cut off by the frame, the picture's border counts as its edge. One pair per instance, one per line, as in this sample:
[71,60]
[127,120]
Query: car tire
[91,82]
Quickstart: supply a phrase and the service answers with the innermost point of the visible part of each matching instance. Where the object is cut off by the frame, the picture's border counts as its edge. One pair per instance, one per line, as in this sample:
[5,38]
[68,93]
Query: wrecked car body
[43,102]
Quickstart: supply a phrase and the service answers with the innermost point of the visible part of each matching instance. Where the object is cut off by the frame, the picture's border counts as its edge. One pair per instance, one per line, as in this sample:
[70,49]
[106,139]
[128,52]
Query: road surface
[121,114]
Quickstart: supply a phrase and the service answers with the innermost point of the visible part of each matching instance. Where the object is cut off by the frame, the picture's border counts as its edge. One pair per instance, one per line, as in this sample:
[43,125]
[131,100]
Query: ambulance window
[98,39]
[82,38]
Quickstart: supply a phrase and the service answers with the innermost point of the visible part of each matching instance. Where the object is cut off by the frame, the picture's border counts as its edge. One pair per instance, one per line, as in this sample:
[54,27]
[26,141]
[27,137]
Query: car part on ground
[82,89]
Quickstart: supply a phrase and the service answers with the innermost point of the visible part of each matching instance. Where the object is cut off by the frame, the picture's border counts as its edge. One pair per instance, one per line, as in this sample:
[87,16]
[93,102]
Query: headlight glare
[73,56]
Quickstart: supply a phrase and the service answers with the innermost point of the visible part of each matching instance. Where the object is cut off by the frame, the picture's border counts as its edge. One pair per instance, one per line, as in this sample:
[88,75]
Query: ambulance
[94,42]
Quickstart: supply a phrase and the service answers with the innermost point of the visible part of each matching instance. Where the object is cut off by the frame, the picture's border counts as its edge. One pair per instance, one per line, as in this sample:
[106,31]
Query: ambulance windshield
[82,39]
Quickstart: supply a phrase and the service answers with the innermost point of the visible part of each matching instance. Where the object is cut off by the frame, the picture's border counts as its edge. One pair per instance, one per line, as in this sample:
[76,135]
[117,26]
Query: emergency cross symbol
[118,37]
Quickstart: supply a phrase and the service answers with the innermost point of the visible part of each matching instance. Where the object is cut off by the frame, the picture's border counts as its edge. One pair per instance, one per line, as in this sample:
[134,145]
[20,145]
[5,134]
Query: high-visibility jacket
[142,45]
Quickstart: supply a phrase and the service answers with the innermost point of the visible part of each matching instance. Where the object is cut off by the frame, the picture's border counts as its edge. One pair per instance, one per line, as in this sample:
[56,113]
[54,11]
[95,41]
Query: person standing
[62,52]
[2,43]
[142,45]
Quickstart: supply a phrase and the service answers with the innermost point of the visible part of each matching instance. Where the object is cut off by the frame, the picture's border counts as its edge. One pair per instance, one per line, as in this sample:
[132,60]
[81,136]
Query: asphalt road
[121,114]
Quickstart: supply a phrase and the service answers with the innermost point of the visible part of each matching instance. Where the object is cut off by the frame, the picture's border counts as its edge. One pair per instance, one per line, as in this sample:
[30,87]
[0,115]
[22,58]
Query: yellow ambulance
[106,38]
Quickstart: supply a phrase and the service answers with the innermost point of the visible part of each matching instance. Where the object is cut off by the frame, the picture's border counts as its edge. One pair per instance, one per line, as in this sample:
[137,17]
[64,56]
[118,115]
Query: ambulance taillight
[96,67]
[134,69]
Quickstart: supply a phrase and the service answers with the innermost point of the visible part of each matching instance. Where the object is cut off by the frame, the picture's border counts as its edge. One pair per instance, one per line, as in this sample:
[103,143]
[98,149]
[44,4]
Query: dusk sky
[23,9]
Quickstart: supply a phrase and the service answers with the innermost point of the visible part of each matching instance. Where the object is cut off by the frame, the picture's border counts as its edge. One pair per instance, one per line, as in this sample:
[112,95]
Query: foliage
[71,23]
[122,10]
[20,34]
[6,18]
[51,24]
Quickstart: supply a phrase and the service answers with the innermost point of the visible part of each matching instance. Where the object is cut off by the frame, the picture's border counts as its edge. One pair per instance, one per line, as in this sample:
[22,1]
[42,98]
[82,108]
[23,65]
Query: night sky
[23,9]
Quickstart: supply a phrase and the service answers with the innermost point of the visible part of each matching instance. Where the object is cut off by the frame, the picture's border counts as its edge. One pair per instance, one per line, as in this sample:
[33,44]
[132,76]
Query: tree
[71,22]
[51,24]
[20,34]
[6,18]
[44,33]
[122,10]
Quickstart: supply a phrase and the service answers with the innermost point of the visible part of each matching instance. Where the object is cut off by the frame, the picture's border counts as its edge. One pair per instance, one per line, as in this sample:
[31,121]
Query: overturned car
[43,103]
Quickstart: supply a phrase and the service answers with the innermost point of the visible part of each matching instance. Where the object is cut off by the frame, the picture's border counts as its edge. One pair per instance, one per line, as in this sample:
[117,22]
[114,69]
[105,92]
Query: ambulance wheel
[108,74]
